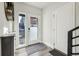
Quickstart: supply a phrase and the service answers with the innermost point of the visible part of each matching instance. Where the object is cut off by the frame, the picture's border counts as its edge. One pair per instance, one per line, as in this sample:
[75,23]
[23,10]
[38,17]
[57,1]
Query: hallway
[38,29]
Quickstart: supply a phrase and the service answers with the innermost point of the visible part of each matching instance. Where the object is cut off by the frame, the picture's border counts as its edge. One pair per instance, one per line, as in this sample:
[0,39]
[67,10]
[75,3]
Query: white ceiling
[45,4]
[38,4]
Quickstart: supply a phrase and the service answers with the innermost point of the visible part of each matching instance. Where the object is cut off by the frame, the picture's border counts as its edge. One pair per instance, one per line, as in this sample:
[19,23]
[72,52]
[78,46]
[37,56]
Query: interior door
[33,30]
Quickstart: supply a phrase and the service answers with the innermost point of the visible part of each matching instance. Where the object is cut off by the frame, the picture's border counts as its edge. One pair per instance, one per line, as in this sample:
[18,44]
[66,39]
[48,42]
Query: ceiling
[38,4]
[45,4]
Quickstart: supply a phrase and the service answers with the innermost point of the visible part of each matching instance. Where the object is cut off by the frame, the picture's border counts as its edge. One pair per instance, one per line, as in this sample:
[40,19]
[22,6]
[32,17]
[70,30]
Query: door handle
[28,28]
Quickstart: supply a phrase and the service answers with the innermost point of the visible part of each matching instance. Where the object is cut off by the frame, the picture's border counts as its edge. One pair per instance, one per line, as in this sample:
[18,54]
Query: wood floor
[38,49]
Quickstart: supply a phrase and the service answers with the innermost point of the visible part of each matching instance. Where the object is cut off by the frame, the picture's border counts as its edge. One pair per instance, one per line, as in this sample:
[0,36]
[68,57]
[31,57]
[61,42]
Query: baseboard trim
[47,45]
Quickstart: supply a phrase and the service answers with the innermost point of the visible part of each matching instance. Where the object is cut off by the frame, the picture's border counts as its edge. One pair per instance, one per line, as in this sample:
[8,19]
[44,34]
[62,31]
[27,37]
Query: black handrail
[70,37]
[75,28]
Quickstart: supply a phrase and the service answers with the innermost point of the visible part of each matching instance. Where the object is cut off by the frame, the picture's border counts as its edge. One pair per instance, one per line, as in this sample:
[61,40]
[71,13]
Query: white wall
[77,24]
[77,13]
[56,24]
[47,27]
[20,7]
[65,22]
[49,23]
[3,22]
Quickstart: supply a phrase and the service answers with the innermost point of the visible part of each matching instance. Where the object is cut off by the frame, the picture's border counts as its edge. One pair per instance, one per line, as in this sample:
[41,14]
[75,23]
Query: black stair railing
[70,38]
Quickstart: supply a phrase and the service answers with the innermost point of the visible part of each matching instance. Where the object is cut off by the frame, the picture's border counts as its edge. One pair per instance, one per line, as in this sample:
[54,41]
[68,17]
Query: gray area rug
[35,48]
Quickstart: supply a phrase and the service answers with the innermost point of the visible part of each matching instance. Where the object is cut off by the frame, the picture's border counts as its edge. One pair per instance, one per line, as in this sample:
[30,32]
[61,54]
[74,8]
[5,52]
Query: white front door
[33,29]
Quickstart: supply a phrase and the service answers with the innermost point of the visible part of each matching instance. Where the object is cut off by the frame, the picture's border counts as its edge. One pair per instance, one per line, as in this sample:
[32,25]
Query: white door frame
[38,29]
[17,30]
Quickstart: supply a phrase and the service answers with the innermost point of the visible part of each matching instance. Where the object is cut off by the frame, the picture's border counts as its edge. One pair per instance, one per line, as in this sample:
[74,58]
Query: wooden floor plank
[38,49]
